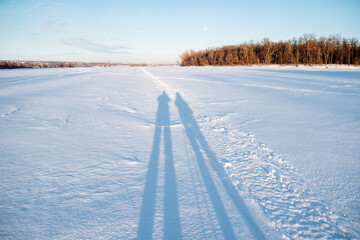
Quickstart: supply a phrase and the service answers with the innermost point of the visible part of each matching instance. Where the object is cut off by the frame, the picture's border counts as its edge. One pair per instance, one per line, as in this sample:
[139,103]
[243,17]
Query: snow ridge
[273,185]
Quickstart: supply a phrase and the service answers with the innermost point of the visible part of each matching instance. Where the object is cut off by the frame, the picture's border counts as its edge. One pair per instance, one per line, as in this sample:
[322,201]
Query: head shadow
[163,115]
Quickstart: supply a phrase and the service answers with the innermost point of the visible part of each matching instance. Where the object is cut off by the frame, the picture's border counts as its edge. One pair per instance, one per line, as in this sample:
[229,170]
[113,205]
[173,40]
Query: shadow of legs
[187,120]
[147,212]
[172,229]
[217,203]
[172,226]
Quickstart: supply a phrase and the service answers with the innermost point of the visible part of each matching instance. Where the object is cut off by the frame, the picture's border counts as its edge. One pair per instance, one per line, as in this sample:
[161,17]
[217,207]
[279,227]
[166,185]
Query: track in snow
[275,186]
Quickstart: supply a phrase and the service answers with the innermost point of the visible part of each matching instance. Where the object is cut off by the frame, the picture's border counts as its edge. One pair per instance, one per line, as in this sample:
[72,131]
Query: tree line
[42,64]
[307,50]
[6,64]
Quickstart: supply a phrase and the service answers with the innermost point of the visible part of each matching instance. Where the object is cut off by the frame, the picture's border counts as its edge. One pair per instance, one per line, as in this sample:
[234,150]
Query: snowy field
[180,153]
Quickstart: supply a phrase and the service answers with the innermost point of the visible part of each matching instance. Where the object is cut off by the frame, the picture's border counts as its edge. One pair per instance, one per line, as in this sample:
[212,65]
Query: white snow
[223,153]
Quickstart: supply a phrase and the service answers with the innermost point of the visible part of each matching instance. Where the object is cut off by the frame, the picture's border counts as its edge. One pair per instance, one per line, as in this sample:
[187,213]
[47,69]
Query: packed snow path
[169,153]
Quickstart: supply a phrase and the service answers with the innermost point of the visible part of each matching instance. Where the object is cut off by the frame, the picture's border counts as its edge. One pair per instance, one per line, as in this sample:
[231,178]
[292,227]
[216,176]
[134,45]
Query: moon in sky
[205,29]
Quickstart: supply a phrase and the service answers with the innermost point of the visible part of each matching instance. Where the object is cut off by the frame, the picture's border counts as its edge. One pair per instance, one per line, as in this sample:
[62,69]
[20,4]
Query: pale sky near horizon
[158,31]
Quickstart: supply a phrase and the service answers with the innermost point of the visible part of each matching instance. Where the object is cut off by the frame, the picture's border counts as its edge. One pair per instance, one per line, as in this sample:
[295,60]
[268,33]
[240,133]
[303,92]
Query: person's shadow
[198,143]
[172,227]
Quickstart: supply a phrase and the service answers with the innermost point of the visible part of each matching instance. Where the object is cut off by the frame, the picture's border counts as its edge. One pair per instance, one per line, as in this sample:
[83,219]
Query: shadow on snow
[197,140]
[172,226]
[172,229]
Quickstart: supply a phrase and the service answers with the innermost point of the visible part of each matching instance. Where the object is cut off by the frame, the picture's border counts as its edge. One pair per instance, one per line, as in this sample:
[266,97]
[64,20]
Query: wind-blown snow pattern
[180,153]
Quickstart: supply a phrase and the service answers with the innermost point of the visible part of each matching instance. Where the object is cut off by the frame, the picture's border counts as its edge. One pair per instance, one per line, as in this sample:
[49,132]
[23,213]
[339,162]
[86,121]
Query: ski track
[263,175]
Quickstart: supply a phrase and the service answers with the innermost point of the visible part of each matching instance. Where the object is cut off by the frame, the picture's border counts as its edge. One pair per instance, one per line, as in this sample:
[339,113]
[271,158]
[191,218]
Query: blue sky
[158,31]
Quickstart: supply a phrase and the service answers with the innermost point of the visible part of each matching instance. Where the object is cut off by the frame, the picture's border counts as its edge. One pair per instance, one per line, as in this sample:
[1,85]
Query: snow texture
[180,153]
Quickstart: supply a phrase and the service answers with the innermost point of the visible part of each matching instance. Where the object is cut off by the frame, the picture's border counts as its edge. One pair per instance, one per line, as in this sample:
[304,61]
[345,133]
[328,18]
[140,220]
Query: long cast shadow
[195,136]
[147,212]
[216,201]
[172,227]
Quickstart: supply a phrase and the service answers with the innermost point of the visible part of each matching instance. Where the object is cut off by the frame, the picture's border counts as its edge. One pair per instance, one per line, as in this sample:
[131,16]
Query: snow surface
[180,153]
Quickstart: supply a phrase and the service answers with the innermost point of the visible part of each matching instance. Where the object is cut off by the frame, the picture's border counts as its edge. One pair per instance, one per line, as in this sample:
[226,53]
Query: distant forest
[4,64]
[307,50]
